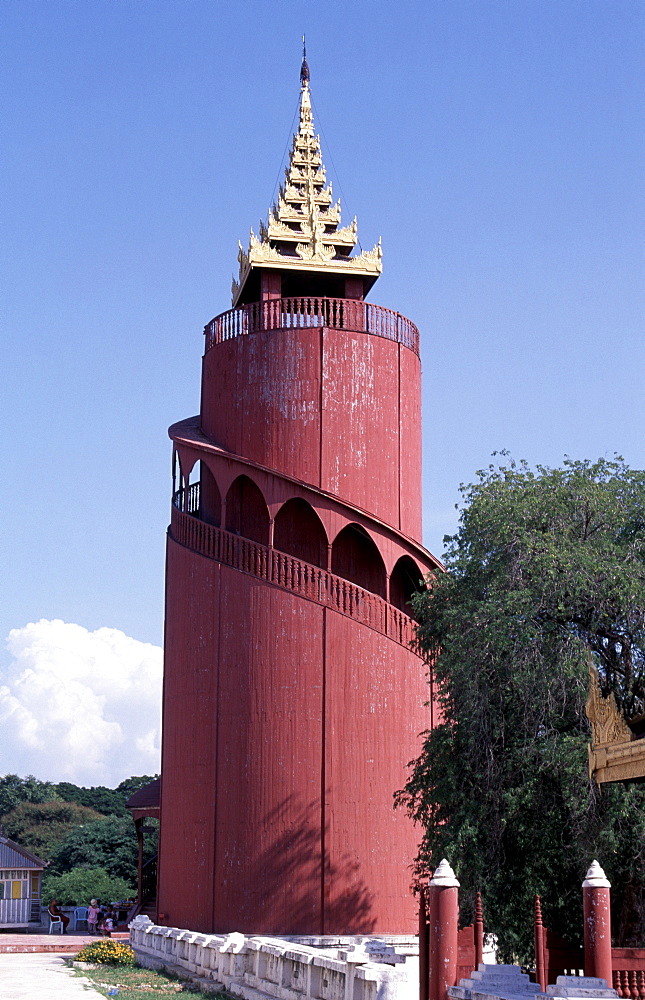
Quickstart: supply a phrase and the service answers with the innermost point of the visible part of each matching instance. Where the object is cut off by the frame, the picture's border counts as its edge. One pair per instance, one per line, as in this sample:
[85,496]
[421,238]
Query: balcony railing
[337,314]
[282,570]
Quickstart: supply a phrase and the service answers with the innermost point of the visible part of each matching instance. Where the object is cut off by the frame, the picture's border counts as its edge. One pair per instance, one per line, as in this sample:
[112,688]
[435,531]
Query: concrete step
[503,982]
[578,987]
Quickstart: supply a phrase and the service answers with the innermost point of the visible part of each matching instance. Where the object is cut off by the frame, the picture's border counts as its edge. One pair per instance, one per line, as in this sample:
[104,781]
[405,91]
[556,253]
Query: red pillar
[597,923]
[443,893]
[479,931]
[423,945]
[538,934]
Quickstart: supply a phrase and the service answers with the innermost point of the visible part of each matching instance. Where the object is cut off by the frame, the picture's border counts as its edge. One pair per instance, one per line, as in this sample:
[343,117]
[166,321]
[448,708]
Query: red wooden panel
[222,403]
[375,691]
[269,760]
[410,443]
[261,399]
[189,737]
[360,443]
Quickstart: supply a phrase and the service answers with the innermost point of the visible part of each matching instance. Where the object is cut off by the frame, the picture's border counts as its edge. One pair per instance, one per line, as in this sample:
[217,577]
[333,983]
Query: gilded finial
[304,69]
[303,229]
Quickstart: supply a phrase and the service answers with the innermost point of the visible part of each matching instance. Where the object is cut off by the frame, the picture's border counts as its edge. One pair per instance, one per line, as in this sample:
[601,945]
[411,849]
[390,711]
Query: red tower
[292,699]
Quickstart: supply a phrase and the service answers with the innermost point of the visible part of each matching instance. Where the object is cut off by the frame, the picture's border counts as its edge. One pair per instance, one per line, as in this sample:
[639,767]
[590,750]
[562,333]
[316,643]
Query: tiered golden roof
[302,231]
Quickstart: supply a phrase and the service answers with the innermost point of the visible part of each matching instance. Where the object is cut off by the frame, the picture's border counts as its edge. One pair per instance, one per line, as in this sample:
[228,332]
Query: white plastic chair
[80,916]
[55,922]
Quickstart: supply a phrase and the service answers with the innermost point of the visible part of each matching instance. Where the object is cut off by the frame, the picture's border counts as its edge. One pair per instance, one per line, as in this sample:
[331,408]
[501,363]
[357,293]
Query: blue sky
[496,147]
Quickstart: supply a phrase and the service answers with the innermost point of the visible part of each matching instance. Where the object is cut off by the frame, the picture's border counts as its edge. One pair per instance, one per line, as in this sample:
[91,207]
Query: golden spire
[302,230]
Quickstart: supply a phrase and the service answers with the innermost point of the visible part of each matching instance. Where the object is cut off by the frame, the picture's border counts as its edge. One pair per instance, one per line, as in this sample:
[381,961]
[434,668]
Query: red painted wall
[288,725]
[337,409]
[287,728]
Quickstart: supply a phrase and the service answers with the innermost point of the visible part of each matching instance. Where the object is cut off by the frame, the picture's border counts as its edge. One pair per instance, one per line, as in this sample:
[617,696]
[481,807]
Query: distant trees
[77,887]
[86,834]
[14,790]
[108,843]
[108,801]
[42,826]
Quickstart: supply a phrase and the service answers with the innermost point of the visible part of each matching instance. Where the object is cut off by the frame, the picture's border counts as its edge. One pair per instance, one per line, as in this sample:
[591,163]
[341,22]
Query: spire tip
[304,69]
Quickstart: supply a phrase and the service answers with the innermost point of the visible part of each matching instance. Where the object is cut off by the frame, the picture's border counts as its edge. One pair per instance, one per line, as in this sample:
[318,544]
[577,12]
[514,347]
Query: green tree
[109,843]
[14,790]
[77,887]
[103,800]
[41,827]
[108,801]
[546,570]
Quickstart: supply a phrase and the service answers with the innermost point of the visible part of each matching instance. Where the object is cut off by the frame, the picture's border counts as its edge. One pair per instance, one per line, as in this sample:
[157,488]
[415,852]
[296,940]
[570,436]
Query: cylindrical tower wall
[335,408]
[287,728]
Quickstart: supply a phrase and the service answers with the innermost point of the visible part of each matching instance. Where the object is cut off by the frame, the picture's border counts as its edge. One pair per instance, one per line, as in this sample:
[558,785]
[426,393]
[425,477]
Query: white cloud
[80,706]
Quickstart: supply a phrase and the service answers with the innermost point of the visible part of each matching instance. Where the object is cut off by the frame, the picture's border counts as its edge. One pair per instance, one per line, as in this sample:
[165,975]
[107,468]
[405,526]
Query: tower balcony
[280,569]
[311,312]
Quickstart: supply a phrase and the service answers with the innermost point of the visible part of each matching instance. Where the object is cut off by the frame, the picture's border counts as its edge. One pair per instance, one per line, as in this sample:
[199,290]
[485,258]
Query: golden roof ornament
[303,230]
[608,725]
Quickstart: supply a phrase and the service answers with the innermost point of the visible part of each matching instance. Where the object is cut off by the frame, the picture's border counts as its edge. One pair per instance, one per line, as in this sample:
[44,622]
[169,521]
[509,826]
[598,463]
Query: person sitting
[54,911]
[109,922]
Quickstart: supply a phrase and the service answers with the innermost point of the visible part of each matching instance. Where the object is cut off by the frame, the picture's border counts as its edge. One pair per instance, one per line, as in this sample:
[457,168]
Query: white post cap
[596,878]
[444,875]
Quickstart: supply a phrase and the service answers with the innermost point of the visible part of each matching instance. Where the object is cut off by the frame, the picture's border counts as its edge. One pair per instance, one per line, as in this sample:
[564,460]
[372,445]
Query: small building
[20,885]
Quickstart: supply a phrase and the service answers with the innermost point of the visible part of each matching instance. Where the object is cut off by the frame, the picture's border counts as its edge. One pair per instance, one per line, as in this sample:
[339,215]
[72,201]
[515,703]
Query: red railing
[338,314]
[629,972]
[283,570]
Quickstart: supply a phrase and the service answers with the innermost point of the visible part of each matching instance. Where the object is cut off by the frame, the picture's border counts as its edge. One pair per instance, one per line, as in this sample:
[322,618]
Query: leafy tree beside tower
[545,575]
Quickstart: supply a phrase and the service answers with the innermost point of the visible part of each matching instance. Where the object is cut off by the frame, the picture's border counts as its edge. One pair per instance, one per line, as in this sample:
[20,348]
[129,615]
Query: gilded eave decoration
[614,753]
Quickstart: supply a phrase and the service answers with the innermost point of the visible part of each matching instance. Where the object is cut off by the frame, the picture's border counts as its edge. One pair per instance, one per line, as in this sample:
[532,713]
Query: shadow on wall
[298,895]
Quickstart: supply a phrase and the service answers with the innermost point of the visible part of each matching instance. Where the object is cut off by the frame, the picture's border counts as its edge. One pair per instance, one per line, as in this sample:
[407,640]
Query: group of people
[100,919]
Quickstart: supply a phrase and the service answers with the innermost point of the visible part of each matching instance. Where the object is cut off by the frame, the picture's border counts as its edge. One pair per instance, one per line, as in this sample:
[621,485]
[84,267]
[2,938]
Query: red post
[479,931]
[597,923]
[443,893]
[538,934]
[423,945]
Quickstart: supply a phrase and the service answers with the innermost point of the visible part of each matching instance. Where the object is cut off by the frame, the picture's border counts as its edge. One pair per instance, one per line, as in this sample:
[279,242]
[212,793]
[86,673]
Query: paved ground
[70,942]
[41,977]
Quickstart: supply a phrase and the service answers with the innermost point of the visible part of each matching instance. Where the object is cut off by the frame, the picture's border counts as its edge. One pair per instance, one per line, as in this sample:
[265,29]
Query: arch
[298,530]
[246,511]
[406,580]
[355,557]
[210,498]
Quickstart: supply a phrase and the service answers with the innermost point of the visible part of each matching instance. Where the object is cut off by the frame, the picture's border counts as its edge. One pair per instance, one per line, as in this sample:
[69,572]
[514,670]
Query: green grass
[144,984]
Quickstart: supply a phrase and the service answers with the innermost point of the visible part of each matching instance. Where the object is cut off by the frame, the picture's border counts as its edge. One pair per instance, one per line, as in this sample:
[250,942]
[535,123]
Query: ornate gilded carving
[304,199]
[614,753]
[607,723]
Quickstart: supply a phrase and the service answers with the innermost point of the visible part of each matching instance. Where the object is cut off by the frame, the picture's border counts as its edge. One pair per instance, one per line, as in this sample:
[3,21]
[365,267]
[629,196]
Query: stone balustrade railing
[307,312]
[292,574]
[255,968]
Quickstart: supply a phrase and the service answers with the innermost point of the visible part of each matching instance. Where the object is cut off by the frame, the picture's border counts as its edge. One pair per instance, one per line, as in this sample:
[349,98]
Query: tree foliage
[108,842]
[41,827]
[14,790]
[546,570]
[78,886]
[108,801]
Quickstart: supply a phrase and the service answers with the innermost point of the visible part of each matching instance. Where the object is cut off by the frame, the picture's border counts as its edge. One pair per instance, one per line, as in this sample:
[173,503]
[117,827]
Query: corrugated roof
[12,855]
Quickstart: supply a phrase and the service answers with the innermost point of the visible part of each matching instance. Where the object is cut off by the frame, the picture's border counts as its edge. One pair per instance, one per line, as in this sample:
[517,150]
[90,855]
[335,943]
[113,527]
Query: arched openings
[210,498]
[406,579]
[298,530]
[246,511]
[355,557]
